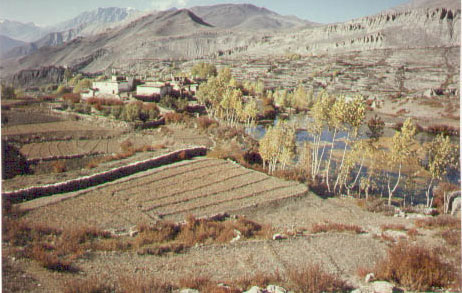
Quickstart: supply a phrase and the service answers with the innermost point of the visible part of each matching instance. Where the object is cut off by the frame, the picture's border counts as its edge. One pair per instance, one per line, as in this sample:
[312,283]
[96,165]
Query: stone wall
[103,177]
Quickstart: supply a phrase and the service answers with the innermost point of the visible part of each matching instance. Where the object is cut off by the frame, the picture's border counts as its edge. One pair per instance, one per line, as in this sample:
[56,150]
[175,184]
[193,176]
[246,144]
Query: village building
[150,88]
[115,87]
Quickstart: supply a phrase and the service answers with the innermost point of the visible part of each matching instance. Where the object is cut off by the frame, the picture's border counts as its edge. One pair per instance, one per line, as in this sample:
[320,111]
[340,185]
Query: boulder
[456,204]
[370,277]
[385,287]
[189,291]
[255,289]
[279,237]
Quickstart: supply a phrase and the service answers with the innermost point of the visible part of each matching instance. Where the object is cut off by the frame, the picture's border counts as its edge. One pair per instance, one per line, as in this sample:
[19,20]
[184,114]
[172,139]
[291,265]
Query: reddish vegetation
[415,267]
[335,227]
[313,278]
[396,227]
[205,123]
[443,221]
[104,102]
[445,129]
[175,118]
[59,166]
[452,237]
[73,98]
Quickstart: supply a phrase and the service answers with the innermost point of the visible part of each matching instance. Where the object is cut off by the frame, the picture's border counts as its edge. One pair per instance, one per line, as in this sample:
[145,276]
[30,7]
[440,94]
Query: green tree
[203,70]
[442,155]
[300,98]
[82,84]
[277,146]
[351,115]
[401,151]
[131,112]
[320,113]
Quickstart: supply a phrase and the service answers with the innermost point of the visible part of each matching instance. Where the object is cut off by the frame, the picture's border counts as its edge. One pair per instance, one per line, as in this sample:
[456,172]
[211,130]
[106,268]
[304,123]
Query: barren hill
[233,30]
[246,17]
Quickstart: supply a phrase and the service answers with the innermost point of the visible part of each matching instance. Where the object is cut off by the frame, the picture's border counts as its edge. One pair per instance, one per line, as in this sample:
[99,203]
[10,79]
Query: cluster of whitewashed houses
[121,87]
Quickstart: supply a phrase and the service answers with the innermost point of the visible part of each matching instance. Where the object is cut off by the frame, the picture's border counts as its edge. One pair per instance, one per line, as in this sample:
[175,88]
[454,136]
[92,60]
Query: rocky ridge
[182,34]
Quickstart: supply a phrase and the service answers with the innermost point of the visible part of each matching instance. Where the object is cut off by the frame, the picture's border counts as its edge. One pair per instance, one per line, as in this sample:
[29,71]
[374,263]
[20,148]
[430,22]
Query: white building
[113,86]
[151,88]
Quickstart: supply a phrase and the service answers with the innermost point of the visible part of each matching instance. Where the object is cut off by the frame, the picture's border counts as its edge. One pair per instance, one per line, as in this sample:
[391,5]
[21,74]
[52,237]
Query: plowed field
[199,187]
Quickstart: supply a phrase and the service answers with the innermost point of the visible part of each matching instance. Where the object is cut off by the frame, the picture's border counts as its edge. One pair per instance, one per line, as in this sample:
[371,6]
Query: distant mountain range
[106,38]
[242,16]
[86,23]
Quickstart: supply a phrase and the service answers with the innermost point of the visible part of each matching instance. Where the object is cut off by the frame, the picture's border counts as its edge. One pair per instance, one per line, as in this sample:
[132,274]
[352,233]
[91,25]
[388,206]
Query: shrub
[126,145]
[163,249]
[335,227]
[49,259]
[452,237]
[149,111]
[116,111]
[94,284]
[442,221]
[396,227]
[204,122]
[173,117]
[72,98]
[141,285]
[313,278]
[412,233]
[131,112]
[444,129]
[258,279]
[59,166]
[414,267]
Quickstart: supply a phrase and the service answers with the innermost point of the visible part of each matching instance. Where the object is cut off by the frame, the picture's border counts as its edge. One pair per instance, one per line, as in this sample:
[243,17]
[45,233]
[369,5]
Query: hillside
[246,17]
[7,44]
[219,30]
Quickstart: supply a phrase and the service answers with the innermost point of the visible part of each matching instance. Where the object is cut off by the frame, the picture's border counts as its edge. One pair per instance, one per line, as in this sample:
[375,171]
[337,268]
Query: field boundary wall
[34,192]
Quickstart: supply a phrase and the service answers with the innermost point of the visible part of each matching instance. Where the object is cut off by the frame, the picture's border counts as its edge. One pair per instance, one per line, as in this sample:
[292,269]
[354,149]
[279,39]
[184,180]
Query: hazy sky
[46,12]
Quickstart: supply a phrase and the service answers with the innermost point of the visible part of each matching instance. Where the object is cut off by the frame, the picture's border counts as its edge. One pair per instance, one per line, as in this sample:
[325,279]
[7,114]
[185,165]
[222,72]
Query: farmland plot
[58,148]
[52,127]
[199,187]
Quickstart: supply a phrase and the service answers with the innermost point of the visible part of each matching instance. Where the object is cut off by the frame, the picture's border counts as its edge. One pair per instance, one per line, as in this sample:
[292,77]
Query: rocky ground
[340,253]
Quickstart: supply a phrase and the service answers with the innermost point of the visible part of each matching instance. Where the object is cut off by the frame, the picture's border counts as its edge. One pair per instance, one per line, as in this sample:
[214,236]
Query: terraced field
[38,128]
[199,187]
[39,150]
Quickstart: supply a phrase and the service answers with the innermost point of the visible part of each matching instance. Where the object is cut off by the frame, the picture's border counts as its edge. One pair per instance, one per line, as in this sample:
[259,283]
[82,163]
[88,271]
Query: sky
[47,12]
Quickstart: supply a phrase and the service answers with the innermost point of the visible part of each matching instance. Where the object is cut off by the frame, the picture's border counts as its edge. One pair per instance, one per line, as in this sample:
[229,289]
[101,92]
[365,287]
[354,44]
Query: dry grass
[206,231]
[412,233]
[139,284]
[205,123]
[442,221]
[415,267]
[260,279]
[176,118]
[335,227]
[313,278]
[53,248]
[452,237]
[94,284]
[395,227]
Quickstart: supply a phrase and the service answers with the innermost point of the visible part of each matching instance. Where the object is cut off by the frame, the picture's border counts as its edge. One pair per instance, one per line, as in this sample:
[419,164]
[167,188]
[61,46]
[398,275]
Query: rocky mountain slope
[185,34]
[425,4]
[246,17]
[26,32]
[98,20]
[7,44]
[85,24]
